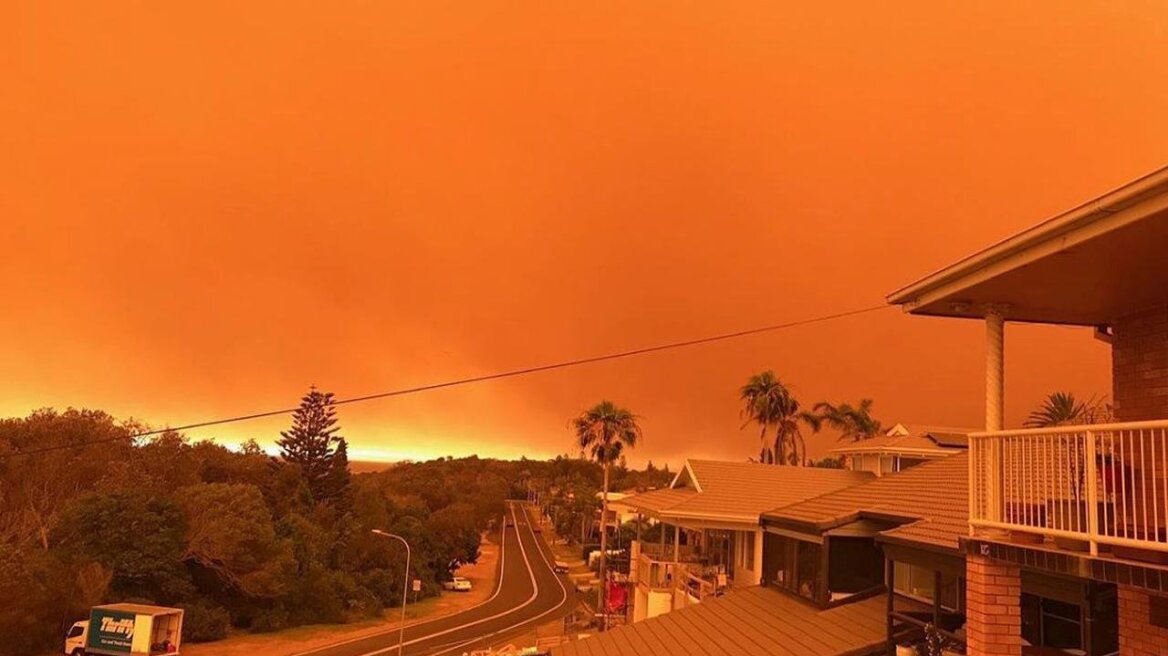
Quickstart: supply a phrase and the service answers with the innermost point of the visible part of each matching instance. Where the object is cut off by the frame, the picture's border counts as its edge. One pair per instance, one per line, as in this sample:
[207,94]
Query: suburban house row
[1001,541]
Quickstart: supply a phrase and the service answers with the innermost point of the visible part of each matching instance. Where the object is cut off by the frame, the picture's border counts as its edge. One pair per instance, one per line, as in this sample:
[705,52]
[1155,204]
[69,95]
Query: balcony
[657,570]
[1094,488]
[684,553]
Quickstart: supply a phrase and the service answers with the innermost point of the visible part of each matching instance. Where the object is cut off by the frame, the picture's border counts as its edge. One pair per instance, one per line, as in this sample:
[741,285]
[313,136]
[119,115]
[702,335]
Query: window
[917,582]
[1104,618]
[807,568]
[1051,623]
[903,463]
[913,581]
[854,565]
[793,565]
[75,631]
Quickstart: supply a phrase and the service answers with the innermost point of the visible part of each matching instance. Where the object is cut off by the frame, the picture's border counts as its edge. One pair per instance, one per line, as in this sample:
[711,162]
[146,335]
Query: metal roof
[925,441]
[653,502]
[739,491]
[932,499]
[757,621]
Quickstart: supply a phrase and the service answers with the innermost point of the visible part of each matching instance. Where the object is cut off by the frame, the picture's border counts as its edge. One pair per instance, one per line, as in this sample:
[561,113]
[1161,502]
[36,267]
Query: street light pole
[401,643]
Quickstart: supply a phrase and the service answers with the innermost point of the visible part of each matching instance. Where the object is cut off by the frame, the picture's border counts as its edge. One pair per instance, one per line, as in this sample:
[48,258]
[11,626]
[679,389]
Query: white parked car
[457,584]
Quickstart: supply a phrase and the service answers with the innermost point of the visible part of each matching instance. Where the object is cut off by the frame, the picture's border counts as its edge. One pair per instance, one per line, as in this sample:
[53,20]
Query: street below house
[483,574]
[529,593]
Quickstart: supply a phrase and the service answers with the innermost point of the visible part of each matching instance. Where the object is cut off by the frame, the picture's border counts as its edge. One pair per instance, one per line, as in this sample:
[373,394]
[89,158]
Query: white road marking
[559,581]
[498,590]
[530,600]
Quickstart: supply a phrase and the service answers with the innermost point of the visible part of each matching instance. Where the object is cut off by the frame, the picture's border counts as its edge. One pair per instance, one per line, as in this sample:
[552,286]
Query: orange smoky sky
[209,206]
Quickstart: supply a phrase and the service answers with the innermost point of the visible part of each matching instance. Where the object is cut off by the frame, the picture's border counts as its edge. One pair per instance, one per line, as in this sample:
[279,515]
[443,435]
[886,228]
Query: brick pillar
[1139,365]
[1137,635]
[993,624]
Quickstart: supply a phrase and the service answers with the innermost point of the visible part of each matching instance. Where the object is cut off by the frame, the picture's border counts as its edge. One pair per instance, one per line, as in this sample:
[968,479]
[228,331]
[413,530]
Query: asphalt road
[528,593]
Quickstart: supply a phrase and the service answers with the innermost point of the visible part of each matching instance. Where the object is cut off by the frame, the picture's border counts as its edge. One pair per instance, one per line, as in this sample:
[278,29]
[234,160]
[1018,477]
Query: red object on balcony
[1107,472]
[617,595]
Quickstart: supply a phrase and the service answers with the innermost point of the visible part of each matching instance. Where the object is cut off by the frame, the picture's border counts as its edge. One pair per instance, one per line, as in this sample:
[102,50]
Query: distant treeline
[239,538]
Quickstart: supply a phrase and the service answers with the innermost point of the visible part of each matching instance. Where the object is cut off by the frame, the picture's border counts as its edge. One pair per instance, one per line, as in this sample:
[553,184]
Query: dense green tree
[312,441]
[234,536]
[166,462]
[218,464]
[338,479]
[457,532]
[310,543]
[32,598]
[34,490]
[139,539]
[230,532]
[286,491]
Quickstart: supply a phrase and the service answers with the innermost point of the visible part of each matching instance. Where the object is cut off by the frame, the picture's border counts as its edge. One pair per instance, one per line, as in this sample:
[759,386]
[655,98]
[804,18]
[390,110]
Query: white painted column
[676,542]
[995,368]
[758,543]
[995,401]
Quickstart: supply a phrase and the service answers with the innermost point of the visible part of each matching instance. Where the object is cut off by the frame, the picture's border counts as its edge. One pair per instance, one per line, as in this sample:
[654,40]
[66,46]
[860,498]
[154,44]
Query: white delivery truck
[126,630]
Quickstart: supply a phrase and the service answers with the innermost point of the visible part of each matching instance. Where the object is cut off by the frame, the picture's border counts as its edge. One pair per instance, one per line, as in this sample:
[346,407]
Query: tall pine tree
[312,443]
[336,482]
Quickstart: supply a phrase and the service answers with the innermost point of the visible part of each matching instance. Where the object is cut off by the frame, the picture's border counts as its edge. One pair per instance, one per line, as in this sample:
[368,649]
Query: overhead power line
[467,381]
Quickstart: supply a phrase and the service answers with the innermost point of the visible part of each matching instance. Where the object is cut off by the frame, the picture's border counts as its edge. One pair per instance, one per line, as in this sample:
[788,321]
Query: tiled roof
[656,500]
[935,494]
[933,429]
[919,438]
[755,621]
[740,491]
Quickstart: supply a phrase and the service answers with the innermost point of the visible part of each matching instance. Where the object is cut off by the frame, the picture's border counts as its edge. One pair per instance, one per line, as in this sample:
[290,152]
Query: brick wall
[993,609]
[1137,636]
[1139,365]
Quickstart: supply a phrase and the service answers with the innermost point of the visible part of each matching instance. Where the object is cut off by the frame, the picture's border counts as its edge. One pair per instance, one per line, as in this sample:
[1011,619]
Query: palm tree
[1058,409]
[853,423]
[789,445]
[760,396]
[767,402]
[604,431]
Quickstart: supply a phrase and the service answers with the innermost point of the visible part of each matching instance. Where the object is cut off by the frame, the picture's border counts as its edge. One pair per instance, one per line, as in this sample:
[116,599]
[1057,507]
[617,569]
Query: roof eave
[1083,222]
[955,550]
[711,517]
[806,525]
[893,449]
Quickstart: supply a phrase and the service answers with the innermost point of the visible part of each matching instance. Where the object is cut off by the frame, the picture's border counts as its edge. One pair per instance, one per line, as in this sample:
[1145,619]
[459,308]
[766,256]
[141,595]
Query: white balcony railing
[1103,484]
[659,574]
[684,553]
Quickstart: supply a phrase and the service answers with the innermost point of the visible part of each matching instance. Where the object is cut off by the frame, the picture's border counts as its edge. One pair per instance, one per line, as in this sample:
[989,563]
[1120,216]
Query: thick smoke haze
[207,207]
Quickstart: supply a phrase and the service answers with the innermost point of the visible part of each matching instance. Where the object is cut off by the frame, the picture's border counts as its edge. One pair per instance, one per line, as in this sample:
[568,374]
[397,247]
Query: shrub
[270,619]
[381,584]
[204,622]
[319,598]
